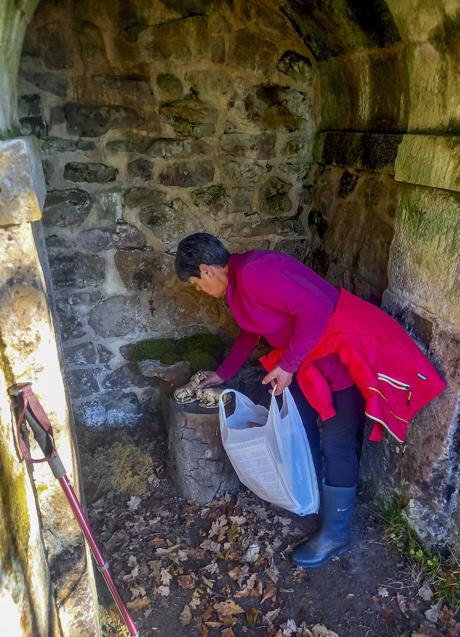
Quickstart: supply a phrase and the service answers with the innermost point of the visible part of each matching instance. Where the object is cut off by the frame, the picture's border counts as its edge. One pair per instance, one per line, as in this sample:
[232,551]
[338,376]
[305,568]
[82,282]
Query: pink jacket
[393,374]
[272,295]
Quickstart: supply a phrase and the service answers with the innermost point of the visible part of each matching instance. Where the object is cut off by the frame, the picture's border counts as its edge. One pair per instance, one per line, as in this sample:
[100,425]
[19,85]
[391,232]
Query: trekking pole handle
[42,436]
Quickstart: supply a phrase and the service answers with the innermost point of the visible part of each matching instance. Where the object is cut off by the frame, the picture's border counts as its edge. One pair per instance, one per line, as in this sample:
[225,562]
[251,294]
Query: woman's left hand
[278,377]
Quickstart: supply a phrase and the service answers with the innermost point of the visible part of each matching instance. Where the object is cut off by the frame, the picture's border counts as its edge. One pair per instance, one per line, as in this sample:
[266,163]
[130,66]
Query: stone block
[248,49]
[120,315]
[372,258]
[169,86]
[67,208]
[186,38]
[91,43]
[218,50]
[170,220]
[52,145]
[113,409]
[429,160]
[22,183]
[241,173]
[297,145]
[129,145]
[125,377]
[93,121]
[76,270]
[366,92]
[177,148]
[424,264]
[190,116]
[81,354]
[272,107]
[273,197]
[83,382]
[55,48]
[296,66]
[146,199]
[186,174]
[368,151]
[347,184]
[137,268]
[140,169]
[92,172]
[122,235]
[31,117]
[49,82]
[248,146]
[70,322]
[105,354]
[215,86]
[213,198]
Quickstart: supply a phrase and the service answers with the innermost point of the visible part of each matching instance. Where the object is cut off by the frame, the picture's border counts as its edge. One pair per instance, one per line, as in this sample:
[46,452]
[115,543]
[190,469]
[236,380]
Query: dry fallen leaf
[138,604]
[226,610]
[425,592]
[165,577]
[382,591]
[402,603]
[251,616]
[271,615]
[227,632]
[320,630]
[269,593]
[186,616]
[186,581]
[163,590]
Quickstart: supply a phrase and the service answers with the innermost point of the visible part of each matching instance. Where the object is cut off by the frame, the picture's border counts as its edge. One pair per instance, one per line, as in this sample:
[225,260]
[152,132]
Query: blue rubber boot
[337,506]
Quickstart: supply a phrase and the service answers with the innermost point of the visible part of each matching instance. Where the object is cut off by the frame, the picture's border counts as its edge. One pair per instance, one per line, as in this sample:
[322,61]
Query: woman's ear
[204,269]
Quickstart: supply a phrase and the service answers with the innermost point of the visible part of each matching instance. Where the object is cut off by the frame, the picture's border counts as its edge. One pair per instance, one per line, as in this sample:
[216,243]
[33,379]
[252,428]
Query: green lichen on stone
[273,196]
[169,85]
[15,527]
[294,65]
[213,197]
[202,351]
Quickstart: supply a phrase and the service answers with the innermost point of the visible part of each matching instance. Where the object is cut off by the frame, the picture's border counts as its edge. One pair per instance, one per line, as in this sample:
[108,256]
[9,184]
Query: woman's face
[213,281]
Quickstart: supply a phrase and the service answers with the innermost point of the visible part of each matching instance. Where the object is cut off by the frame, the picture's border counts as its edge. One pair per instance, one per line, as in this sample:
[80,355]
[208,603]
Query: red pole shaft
[103,565]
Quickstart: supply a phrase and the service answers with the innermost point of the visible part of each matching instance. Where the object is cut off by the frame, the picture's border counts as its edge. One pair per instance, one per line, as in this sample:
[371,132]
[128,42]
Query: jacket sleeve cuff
[327,413]
[287,365]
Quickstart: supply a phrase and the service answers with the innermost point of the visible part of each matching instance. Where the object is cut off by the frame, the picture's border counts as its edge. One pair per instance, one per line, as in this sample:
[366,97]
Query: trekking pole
[31,411]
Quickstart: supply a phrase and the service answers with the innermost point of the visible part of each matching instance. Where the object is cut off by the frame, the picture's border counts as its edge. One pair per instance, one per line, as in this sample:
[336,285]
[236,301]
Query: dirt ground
[223,569]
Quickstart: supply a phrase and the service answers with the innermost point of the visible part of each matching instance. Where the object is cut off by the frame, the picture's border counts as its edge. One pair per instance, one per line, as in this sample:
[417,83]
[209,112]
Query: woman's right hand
[211,380]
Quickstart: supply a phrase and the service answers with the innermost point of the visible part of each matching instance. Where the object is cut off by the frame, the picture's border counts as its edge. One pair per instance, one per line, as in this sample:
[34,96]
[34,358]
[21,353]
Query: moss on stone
[202,351]
[15,530]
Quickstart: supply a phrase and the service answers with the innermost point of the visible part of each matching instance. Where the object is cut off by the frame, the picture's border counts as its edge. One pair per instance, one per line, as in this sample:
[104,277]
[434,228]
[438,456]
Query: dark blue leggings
[341,436]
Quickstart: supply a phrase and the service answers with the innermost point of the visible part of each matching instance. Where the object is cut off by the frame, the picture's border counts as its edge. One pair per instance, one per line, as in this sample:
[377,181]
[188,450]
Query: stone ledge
[429,160]
[367,151]
[22,184]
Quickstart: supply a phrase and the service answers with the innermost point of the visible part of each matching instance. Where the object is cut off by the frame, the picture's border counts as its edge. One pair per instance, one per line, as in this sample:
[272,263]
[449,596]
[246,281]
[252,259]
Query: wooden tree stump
[199,465]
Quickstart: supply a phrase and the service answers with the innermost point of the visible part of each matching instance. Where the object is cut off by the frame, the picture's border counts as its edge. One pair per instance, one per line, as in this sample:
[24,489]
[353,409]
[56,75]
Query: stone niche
[155,120]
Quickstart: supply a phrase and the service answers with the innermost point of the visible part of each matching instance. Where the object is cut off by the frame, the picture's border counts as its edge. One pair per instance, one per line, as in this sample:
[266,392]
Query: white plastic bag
[273,459]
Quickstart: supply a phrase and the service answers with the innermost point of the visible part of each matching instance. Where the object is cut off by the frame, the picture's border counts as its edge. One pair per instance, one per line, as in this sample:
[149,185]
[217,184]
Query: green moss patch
[202,351]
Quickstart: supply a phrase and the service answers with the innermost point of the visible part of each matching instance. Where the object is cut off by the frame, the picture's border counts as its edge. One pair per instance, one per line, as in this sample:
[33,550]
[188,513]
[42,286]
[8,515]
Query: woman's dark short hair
[196,249]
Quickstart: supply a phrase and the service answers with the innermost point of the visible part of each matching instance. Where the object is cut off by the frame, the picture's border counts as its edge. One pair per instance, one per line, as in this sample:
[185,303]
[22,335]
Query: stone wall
[351,211]
[157,120]
[46,578]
